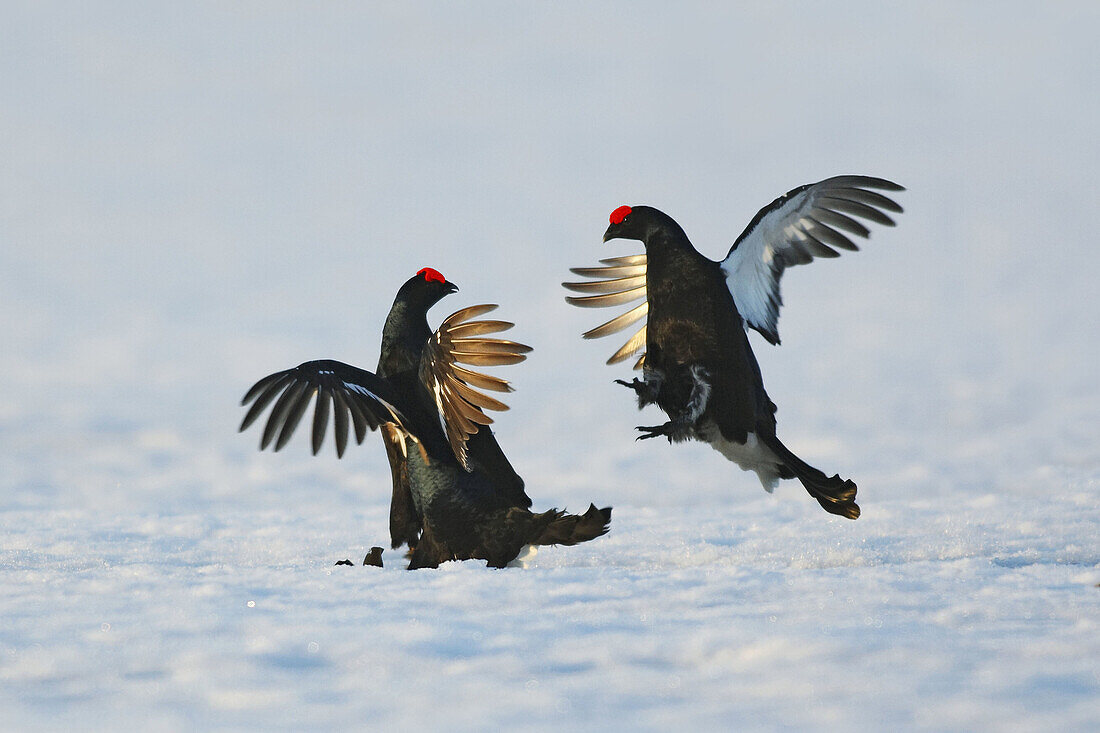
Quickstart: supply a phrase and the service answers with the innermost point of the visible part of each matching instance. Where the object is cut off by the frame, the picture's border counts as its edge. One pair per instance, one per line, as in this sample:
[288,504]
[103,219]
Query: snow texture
[193,196]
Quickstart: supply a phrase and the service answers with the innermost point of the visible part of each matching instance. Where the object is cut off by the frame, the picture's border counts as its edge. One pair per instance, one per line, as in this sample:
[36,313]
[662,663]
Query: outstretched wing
[455,388]
[341,389]
[622,280]
[798,226]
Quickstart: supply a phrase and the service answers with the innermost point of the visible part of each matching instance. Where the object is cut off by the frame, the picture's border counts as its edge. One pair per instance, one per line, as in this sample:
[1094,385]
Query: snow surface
[195,195]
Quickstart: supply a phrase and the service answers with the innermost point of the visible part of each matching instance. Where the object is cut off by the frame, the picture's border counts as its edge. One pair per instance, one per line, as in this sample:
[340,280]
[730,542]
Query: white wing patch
[794,229]
[621,280]
[360,389]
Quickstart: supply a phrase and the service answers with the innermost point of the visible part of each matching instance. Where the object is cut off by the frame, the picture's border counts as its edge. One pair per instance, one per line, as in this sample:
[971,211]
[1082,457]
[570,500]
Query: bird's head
[426,288]
[635,222]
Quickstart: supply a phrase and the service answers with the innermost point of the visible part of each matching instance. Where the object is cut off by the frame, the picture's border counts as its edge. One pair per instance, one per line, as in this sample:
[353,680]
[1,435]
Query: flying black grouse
[697,363]
[455,495]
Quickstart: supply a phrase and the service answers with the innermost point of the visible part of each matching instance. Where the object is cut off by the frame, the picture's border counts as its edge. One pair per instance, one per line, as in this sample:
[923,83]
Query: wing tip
[771,335]
[863,181]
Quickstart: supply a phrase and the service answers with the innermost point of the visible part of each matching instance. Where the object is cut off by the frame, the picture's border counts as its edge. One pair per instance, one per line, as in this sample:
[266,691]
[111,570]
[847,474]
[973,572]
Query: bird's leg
[682,426]
[427,553]
[646,388]
[700,394]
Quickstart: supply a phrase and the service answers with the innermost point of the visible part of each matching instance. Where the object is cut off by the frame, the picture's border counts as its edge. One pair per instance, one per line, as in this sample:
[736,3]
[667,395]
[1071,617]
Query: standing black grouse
[697,363]
[455,495]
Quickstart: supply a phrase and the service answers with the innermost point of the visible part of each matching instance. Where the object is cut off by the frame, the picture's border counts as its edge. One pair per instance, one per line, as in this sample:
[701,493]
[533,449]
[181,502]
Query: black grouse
[697,363]
[455,495]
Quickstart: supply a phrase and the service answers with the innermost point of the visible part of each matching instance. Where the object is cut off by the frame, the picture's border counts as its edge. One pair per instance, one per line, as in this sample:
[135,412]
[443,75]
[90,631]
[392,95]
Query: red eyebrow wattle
[429,274]
[619,214]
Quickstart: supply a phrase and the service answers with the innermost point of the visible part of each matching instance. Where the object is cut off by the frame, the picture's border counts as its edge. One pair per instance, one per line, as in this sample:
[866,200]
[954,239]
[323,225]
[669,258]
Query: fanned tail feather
[571,529]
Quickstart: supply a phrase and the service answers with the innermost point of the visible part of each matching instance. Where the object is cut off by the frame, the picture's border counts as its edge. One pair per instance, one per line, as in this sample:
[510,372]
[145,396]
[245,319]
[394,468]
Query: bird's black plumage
[455,495]
[374,558]
[698,365]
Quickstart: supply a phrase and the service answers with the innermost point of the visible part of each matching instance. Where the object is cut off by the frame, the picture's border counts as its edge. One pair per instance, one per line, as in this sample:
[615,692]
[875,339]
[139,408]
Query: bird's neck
[669,246]
[403,338]
[675,271]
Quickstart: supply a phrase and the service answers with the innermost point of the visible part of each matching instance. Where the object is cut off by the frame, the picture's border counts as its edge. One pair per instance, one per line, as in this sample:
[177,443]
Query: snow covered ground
[194,196]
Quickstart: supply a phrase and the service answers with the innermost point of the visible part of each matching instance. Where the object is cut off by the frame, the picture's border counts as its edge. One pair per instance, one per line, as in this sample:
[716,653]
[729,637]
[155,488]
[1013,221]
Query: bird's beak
[450,287]
[610,233]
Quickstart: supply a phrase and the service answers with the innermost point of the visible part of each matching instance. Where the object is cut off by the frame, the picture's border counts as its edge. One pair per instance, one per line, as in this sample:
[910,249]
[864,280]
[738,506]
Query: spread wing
[352,395]
[621,280]
[455,388]
[804,223]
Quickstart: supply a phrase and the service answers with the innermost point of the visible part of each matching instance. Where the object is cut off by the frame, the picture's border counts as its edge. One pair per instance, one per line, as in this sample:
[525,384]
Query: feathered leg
[681,427]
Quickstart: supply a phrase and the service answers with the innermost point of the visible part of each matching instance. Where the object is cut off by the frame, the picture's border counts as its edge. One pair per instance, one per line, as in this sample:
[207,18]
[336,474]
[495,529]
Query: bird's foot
[637,385]
[643,390]
[674,430]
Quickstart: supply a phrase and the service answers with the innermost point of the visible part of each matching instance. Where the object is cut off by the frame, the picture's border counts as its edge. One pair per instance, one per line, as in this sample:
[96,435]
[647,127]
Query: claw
[654,431]
[674,430]
[643,390]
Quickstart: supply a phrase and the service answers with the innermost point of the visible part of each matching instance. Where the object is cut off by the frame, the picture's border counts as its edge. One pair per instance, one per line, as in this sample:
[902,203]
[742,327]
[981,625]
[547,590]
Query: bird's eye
[619,214]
